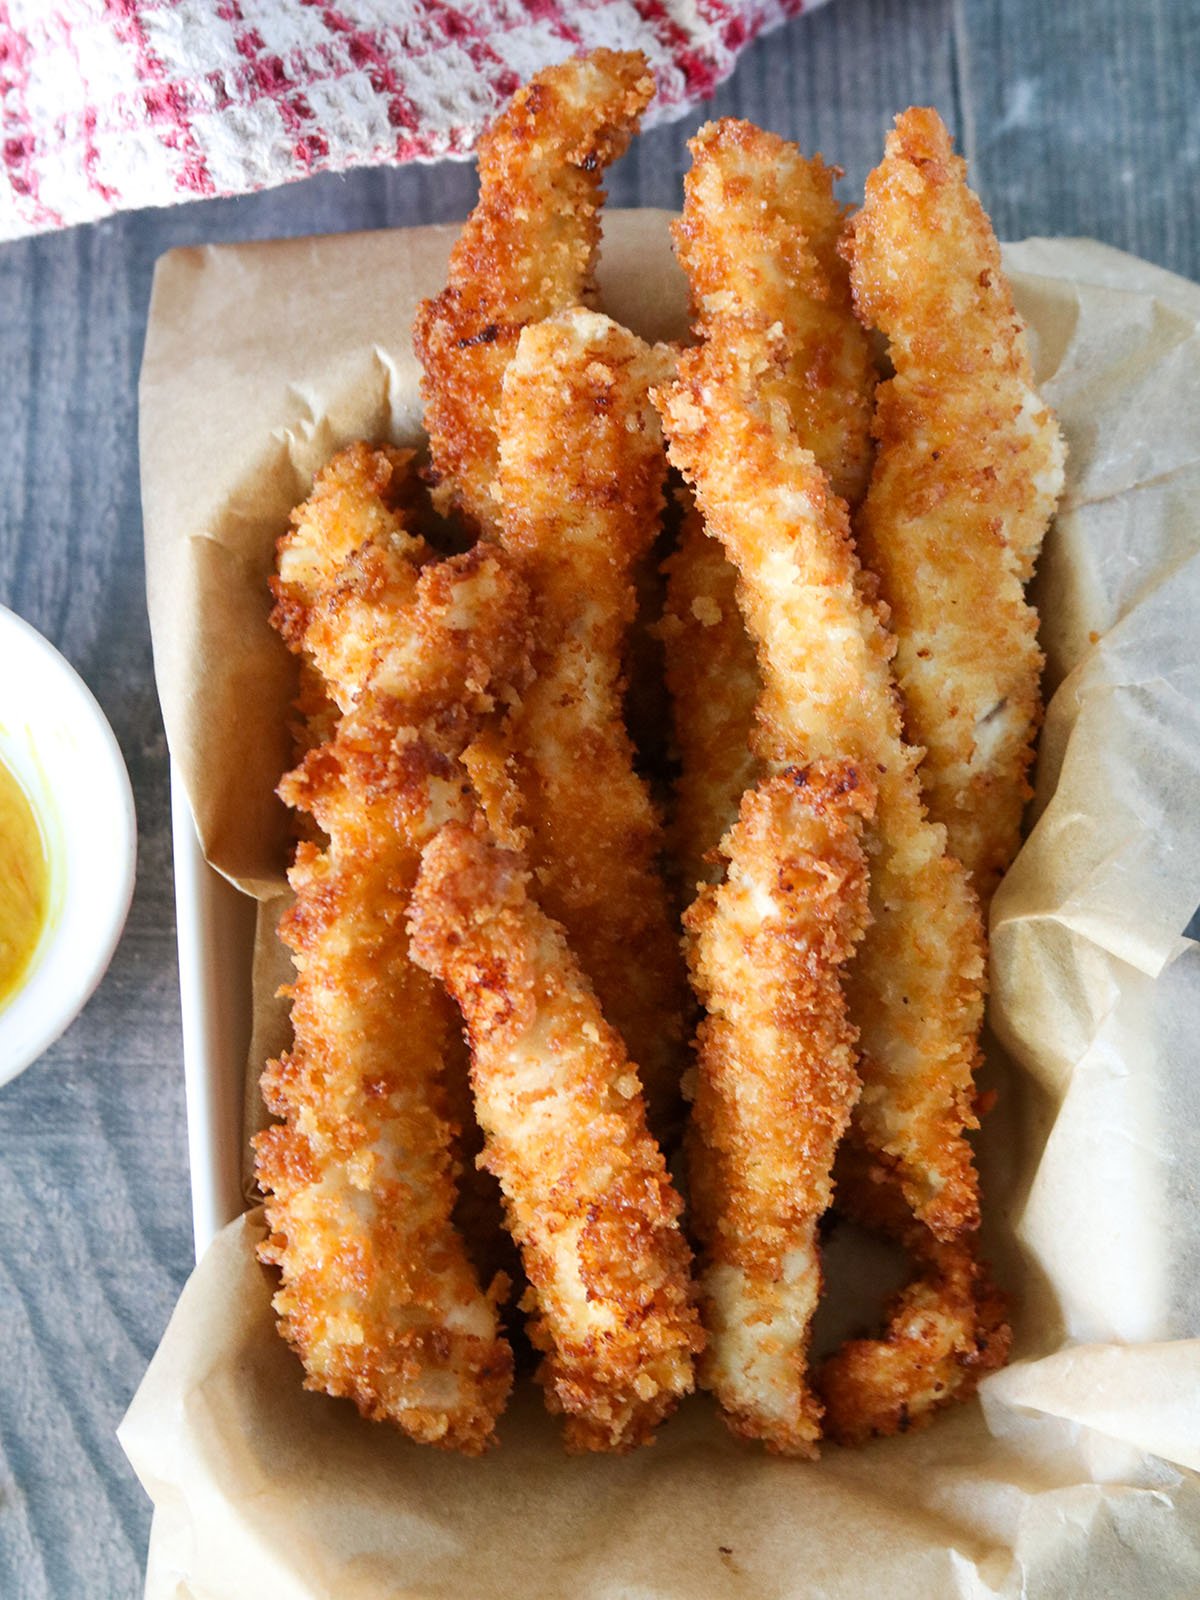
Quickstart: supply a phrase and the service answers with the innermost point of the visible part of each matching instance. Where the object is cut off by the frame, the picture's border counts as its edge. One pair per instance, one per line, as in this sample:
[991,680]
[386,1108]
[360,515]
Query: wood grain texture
[1081,117]
[1079,120]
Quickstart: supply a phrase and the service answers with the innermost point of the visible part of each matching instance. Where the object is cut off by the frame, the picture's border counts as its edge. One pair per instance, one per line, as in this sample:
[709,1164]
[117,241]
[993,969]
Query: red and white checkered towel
[109,104]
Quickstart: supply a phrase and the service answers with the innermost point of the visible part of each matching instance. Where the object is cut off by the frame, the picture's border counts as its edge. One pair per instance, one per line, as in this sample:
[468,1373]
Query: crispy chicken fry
[759,235]
[586,1187]
[348,563]
[917,987]
[969,469]
[527,250]
[581,472]
[944,1332]
[347,568]
[378,1296]
[776,1082]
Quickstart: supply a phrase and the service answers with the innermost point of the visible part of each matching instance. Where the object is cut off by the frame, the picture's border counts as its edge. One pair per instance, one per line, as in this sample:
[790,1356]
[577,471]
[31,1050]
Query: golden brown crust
[348,558]
[917,988]
[758,236]
[969,467]
[581,472]
[526,251]
[378,1296]
[942,1334]
[776,1082]
[586,1187]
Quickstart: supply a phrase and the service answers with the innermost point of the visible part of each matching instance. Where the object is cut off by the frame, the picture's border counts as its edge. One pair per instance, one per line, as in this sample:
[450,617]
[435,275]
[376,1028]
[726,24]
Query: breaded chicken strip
[917,986]
[736,265]
[526,251]
[944,1332]
[347,561]
[969,469]
[759,234]
[581,473]
[347,568]
[776,1083]
[588,1196]
[378,1296]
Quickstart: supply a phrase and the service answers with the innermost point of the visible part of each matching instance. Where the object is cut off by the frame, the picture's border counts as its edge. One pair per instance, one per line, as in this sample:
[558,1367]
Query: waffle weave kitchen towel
[110,104]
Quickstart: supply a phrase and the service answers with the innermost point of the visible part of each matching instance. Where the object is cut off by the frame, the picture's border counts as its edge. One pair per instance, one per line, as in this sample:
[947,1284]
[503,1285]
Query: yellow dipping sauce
[24,884]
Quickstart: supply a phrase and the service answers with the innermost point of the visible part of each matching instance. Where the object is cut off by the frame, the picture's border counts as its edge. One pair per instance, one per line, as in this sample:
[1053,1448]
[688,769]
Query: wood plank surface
[1081,116]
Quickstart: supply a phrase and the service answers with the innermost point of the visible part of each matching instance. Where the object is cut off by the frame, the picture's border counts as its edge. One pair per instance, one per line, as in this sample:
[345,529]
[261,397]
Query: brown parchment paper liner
[1077,1472]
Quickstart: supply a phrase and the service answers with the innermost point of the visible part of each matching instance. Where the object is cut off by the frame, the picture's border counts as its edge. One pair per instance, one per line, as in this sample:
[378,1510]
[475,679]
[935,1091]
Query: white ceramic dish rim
[91,825]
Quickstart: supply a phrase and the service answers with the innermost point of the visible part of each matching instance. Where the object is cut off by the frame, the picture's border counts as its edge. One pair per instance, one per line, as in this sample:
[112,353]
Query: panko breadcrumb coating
[348,559]
[968,472]
[776,1083]
[759,235]
[378,1296]
[347,567]
[917,987]
[526,251]
[581,473]
[943,1333]
[586,1188]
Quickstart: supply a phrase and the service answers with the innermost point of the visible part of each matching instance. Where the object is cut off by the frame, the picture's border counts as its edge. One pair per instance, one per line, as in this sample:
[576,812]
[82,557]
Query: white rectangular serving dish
[214,929]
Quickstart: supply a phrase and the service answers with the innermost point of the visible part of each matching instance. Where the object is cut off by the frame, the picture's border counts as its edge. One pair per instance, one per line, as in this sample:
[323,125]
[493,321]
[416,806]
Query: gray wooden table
[1079,117]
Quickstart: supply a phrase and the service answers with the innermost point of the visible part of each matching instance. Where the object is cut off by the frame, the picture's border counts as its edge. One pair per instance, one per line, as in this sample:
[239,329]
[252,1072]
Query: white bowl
[54,738]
